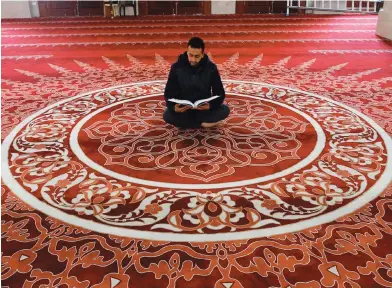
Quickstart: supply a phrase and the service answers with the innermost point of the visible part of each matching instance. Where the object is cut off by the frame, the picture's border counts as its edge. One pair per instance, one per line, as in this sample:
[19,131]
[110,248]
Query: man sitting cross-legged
[194,77]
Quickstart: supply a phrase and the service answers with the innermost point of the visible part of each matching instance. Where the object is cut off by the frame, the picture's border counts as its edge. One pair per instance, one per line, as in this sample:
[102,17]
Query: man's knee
[179,120]
[167,117]
[222,113]
[225,111]
[216,115]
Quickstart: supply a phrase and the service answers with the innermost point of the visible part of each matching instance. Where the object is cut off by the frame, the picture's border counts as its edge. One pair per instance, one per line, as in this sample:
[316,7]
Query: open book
[193,105]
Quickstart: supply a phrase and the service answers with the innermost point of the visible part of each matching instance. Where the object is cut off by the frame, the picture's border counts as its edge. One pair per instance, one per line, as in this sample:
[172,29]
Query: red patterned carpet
[292,190]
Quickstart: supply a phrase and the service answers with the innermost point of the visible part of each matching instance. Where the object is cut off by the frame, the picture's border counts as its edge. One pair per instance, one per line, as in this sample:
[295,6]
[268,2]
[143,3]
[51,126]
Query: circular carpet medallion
[283,161]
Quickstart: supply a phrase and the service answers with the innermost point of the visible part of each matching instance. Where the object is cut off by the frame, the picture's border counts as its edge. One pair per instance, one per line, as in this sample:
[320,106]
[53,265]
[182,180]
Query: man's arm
[217,89]
[172,89]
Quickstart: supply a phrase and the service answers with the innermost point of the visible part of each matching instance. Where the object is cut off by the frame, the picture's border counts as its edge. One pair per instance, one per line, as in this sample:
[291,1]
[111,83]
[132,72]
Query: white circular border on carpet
[379,186]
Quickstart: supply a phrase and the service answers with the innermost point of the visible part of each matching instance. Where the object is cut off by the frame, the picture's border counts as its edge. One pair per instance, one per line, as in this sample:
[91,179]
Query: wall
[15,9]
[384,21]
[223,7]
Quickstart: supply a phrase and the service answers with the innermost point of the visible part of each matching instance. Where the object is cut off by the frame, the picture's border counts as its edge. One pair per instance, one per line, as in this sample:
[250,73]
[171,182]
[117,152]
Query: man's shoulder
[212,65]
[175,65]
[179,62]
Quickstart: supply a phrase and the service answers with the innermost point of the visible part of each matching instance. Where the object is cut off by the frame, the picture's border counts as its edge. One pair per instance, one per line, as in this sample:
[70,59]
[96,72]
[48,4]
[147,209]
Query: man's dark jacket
[194,83]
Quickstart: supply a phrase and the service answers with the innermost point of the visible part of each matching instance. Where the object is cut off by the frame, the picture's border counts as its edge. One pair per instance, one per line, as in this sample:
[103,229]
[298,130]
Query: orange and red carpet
[292,190]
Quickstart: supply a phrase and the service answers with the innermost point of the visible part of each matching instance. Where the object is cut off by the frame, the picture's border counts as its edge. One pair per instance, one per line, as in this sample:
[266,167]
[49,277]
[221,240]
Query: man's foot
[209,125]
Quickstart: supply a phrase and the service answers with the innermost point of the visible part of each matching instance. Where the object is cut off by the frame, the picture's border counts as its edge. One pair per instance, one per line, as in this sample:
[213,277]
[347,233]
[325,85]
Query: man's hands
[205,106]
[181,108]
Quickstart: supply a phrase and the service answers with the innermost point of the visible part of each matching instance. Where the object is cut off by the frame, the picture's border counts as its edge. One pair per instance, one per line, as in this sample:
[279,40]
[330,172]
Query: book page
[202,101]
[183,102]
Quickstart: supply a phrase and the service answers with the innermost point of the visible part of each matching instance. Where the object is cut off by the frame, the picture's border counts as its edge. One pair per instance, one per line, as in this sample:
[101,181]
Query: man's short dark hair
[197,43]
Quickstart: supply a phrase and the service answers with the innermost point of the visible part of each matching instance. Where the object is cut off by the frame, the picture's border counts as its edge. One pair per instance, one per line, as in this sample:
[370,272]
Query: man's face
[194,55]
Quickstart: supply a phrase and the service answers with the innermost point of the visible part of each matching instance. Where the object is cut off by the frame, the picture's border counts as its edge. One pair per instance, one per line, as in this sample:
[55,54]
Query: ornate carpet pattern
[292,190]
